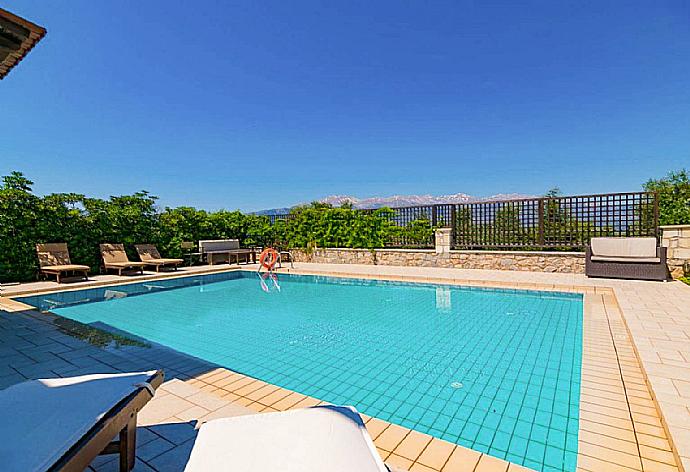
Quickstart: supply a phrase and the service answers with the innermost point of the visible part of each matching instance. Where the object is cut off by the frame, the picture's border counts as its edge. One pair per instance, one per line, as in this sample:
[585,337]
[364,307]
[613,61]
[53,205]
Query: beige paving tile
[462,460]
[390,438]
[162,408]
[305,402]
[288,401]
[436,454]
[657,455]
[239,384]
[274,397]
[193,413]
[227,411]
[383,453]
[609,442]
[603,453]
[491,464]
[650,430]
[593,464]
[207,401]
[249,387]
[518,468]
[652,466]
[398,461]
[417,467]
[375,427]
[607,430]
[413,445]
[178,387]
[653,441]
[260,393]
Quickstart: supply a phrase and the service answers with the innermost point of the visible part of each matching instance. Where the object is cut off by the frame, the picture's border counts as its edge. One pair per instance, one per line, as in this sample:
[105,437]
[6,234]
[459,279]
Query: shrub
[674,197]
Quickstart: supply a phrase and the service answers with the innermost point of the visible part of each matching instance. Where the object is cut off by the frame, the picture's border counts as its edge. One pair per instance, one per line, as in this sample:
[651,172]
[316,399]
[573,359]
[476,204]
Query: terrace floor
[635,395]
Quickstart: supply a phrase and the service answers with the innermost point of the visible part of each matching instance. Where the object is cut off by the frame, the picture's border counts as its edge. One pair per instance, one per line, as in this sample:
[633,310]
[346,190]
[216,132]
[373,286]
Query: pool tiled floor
[620,425]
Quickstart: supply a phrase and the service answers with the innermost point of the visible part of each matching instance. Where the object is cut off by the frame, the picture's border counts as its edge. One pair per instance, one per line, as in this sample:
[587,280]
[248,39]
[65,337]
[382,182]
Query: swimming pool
[494,370]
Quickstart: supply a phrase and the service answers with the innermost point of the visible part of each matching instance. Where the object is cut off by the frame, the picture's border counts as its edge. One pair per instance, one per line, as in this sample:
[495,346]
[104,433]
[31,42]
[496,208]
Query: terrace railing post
[540,220]
[434,215]
[452,226]
[656,215]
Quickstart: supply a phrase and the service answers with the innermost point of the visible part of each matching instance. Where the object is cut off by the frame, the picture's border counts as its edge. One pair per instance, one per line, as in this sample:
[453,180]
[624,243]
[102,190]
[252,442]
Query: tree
[553,192]
[508,227]
[674,197]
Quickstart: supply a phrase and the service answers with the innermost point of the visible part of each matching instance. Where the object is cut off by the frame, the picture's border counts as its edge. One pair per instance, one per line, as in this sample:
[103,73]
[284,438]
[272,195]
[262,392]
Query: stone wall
[570,262]
[677,239]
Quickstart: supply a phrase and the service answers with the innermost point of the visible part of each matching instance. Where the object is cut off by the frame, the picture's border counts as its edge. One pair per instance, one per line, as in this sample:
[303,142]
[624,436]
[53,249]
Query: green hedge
[83,223]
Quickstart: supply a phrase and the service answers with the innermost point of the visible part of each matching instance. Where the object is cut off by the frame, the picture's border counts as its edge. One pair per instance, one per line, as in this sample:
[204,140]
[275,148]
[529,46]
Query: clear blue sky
[259,104]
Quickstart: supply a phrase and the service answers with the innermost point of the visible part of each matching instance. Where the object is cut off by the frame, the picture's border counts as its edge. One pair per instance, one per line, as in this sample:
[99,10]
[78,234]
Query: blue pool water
[494,370]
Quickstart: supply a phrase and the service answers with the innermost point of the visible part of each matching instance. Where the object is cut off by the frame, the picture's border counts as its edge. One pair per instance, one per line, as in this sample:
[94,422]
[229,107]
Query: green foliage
[674,197]
[324,226]
[20,218]
[553,192]
[83,223]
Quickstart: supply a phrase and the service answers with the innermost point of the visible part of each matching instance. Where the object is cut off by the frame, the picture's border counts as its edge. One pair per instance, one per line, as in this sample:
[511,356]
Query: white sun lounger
[319,439]
[63,424]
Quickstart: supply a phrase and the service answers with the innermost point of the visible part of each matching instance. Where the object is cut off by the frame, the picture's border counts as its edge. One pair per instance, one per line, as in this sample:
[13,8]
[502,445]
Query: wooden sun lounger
[69,439]
[148,253]
[54,259]
[115,257]
[121,421]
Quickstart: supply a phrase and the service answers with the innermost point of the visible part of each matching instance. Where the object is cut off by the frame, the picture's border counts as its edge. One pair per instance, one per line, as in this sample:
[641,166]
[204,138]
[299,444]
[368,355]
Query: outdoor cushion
[42,419]
[624,247]
[163,261]
[60,268]
[323,438]
[125,264]
[637,260]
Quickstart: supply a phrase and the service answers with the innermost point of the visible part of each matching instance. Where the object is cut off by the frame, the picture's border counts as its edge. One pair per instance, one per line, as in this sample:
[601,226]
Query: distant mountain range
[395,201]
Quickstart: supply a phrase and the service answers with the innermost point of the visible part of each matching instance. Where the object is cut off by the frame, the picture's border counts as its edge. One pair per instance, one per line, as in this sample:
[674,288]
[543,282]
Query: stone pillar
[677,239]
[443,240]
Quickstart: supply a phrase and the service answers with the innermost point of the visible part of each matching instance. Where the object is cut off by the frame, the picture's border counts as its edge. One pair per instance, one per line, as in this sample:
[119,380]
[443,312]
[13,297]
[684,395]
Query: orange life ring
[268,258]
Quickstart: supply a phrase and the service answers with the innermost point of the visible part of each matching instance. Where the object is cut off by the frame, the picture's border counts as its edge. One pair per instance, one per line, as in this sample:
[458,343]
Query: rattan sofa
[626,258]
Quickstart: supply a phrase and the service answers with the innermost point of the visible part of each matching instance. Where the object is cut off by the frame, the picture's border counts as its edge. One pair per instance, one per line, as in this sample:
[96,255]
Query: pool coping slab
[648,432]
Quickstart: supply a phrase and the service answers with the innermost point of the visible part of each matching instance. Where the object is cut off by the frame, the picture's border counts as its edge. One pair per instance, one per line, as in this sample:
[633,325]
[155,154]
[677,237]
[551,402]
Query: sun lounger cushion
[64,268]
[125,264]
[42,419]
[325,438]
[163,261]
